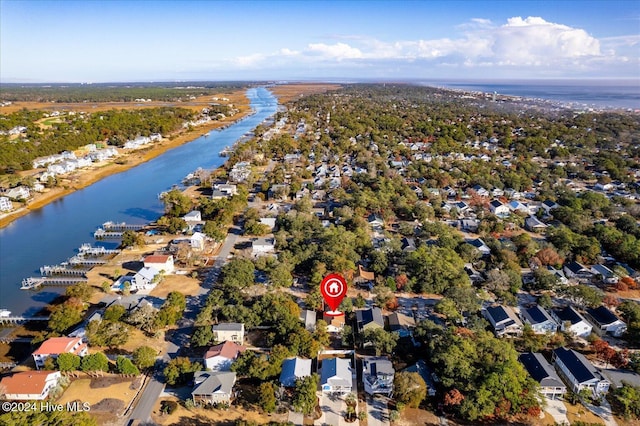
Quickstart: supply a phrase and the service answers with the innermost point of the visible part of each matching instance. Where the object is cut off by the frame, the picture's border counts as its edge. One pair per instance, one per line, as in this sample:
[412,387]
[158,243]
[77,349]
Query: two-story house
[571,321]
[579,372]
[503,320]
[336,376]
[605,322]
[377,375]
[539,320]
[542,372]
[55,346]
[228,331]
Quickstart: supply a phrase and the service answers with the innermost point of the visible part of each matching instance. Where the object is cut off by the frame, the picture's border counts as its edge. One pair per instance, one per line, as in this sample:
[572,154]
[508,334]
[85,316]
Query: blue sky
[113,41]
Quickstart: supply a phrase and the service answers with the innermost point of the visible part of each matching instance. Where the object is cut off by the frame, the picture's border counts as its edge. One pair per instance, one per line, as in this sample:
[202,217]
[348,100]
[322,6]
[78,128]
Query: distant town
[491,247]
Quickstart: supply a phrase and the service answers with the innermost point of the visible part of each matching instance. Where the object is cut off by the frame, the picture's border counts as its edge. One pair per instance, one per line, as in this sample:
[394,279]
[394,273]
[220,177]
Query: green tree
[180,370]
[68,362]
[114,313]
[409,388]
[383,341]
[267,397]
[304,398]
[125,366]
[95,362]
[144,357]
[66,315]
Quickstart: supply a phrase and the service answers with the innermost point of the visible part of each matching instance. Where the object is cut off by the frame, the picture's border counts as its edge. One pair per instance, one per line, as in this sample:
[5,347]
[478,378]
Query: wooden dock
[122,226]
[47,270]
[19,319]
[31,283]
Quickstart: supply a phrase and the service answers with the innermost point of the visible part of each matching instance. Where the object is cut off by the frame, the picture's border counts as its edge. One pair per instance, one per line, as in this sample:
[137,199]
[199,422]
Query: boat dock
[62,269]
[122,226]
[19,320]
[31,283]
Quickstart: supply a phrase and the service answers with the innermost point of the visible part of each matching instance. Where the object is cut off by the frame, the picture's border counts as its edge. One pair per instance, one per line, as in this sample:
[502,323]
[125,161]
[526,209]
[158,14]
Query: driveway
[295,418]
[603,411]
[333,410]
[377,411]
[557,410]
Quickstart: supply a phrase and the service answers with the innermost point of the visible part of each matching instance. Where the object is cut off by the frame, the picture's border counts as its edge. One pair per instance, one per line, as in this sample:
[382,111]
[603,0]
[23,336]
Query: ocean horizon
[592,93]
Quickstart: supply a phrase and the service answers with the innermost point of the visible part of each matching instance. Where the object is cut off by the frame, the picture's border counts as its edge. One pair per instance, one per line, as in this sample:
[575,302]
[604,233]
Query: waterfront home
[53,347]
[29,385]
[369,319]
[220,357]
[571,321]
[18,193]
[503,320]
[542,372]
[336,376]
[161,262]
[605,322]
[262,246]
[377,375]
[213,387]
[579,372]
[294,369]
[144,279]
[231,331]
[224,190]
[193,219]
[5,204]
[539,320]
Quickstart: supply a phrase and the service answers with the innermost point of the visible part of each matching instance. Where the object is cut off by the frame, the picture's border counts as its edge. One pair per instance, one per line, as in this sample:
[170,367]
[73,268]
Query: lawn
[108,396]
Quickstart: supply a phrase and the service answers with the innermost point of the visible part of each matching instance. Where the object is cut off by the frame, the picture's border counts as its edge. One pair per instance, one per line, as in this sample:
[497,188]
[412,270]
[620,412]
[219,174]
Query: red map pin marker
[333,288]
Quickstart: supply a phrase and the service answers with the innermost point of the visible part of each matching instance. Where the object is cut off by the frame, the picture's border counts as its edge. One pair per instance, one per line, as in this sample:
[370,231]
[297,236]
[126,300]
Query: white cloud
[337,51]
[532,44]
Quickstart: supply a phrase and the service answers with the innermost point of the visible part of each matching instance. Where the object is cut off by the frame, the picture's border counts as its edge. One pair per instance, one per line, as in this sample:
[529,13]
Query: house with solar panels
[579,373]
[542,372]
[539,320]
[503,320]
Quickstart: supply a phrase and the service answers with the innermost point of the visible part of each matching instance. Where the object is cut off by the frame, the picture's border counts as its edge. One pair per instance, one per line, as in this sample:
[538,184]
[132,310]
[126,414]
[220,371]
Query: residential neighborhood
[486,282]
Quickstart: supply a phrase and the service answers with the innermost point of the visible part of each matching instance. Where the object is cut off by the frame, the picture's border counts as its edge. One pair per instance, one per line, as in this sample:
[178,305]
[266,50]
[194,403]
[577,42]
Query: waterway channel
[52,234]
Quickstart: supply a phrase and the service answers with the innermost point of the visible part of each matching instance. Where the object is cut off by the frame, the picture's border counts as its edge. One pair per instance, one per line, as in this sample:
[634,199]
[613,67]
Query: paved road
[148,398]
[377,411]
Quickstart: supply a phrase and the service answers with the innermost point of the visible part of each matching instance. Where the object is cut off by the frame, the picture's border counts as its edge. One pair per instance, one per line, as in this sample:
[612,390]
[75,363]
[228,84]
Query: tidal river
[53,233]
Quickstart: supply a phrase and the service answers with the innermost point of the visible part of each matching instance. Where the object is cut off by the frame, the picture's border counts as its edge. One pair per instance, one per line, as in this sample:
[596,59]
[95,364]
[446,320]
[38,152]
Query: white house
[213,387]
[5,204]
[539,320]
[18,193]
[571,321]
[144,279]
[197,241]
[377,375]
[220,357]
[577,270]
[499,209]
[29,385]
[231,331]
[262,246]
[605,273]
[58,345]
[294,369]
[503,320]
[336,376]
[541,371]
[579,372]
[161,262]
[480,245]
[605,322]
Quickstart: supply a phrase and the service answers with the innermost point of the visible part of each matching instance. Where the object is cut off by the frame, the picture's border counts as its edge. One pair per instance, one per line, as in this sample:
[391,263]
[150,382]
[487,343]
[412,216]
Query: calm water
[52,234]
[594,93]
